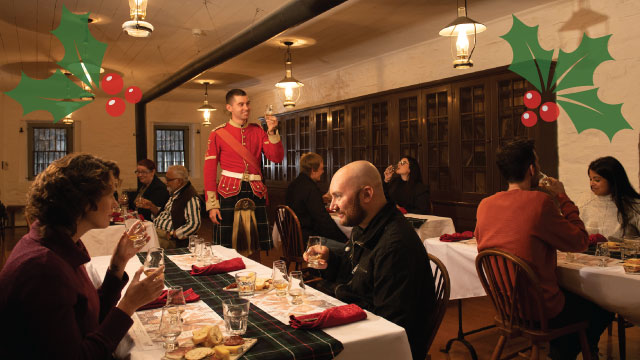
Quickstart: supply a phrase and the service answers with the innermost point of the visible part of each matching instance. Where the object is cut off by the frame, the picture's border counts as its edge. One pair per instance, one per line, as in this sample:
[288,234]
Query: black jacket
[305,199]
[386,270]
[157,193]
[412,196]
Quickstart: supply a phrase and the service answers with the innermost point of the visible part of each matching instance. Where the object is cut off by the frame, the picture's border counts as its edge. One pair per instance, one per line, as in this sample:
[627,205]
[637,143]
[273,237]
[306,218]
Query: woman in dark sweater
[150,187]
[404,187]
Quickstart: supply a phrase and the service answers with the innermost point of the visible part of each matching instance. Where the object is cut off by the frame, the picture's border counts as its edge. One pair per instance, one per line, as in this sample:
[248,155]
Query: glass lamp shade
[206,118]
[138,9]
[290,90]
[67,120]
[137,28]
[463,32]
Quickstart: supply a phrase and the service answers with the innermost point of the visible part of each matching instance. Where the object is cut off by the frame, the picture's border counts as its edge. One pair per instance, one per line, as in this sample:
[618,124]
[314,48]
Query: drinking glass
[155,259]
[130,220]
[207,253]
[313,259]
[170,327]
[280,278]
[268,110]
[544,180]
[192,246]
[175,297]
[123,200]
[602,253]
[296,287]
[246,281]
[199,249]
[236,315]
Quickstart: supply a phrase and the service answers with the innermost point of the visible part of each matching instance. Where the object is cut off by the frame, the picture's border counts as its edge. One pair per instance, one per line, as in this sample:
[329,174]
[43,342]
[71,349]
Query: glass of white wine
[280,278]
[170,327]
[296,287]
[135,229]
[154,260]
[312,256]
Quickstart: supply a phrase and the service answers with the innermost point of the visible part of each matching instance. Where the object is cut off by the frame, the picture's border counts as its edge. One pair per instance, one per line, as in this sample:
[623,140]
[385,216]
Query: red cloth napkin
[456,236]
[596,238]
[221,267]
[334,316]
[402,210]
[189,296]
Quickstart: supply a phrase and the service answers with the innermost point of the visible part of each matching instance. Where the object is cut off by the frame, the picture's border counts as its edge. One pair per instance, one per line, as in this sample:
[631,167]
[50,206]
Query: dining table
[101,242]
[371,338]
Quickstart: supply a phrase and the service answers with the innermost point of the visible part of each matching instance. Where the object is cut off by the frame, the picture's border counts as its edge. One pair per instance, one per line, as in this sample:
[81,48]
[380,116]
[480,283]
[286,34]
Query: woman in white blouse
[613,207]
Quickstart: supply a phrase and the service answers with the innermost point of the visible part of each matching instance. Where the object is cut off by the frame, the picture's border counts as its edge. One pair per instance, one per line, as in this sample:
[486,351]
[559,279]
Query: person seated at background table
[49,307]
[115,170]
[305,199]
[613,206]
[405,187]
[180,217]
[384,268]
[528,224]
[150,187]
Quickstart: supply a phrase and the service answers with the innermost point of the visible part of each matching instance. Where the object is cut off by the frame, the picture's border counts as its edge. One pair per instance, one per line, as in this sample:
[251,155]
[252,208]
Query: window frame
[31,126]
[186,130]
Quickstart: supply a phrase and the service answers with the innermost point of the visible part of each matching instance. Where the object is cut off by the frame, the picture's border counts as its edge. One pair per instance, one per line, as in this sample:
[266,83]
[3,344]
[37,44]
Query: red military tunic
[256,141]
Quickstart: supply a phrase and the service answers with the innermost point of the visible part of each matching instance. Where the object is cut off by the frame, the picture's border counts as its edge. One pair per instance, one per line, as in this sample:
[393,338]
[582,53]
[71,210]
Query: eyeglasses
[403,162]
[138,172]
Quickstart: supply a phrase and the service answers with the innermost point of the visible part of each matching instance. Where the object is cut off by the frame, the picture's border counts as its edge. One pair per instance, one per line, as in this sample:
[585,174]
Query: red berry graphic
[549,111]
[529,118]
[532,99]
[115,106]
[133,94]
[111,83]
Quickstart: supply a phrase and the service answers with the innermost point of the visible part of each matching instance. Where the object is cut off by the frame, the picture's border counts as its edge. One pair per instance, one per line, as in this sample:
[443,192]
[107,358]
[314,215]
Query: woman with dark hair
[48,305]
[151,188]
[613,206]
[405,187]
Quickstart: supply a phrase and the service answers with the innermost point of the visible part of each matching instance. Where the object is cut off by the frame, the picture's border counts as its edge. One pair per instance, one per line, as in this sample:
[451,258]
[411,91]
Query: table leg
[462,334]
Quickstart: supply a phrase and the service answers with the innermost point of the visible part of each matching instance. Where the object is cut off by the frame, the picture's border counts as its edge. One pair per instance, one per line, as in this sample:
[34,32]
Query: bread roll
[200,335]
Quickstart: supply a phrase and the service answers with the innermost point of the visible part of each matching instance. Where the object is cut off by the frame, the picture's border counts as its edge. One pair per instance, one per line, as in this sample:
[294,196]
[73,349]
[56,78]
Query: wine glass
[280,278]
[135,229]
[602,253]
[170,327]
[545,180]
[296,287]
[123,200]
[175,297]
[154,260]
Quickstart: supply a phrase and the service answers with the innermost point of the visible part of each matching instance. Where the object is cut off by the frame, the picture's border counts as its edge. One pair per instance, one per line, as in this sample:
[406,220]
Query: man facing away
[529,225]
[238,146]
[305,199]
[180,217]
[385,268]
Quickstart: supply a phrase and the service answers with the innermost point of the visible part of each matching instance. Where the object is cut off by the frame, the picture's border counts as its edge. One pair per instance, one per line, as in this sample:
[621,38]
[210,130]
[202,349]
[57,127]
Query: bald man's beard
[355,214]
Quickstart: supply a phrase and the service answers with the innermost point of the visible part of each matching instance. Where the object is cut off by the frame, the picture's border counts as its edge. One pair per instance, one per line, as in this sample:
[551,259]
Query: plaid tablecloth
[275,340]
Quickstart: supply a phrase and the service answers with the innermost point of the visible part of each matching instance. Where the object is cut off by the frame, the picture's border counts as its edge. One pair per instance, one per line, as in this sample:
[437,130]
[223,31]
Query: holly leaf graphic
[530,60]
[53,95]
[576,68]
[82,52]
[587,111]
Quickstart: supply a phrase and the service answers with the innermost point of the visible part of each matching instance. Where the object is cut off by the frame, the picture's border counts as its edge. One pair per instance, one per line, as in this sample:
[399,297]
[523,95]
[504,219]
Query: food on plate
[200,335]
[631,267]
[198,353]
[177,354]
[263,284]
[633,261]
[222,353]
[214,336]
[234,340]
[613,245]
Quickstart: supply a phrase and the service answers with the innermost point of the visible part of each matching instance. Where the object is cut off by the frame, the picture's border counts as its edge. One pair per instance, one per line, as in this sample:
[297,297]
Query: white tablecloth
[101,242]
[373,338]
[610,287]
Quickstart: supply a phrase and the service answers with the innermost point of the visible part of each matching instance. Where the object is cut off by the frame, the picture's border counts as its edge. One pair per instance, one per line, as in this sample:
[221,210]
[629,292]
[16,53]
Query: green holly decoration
[573,69]
[57,93]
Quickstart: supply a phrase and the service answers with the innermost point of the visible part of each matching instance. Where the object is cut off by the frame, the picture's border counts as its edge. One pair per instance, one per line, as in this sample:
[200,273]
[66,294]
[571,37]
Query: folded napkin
[189,296]
[334,316]
[221,267]
[402,210]
[456,236]
[596,238]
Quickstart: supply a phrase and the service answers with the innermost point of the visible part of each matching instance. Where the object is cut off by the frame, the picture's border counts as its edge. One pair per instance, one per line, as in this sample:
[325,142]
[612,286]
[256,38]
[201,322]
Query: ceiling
[352,32]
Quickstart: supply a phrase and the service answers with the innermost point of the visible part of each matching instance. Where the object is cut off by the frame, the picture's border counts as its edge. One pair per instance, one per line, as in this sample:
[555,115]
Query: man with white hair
[384,267]
[180,217]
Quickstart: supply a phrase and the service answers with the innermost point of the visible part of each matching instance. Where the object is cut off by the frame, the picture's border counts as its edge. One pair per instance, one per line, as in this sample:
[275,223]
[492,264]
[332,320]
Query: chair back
[290,231]
[513,288]
[443,290]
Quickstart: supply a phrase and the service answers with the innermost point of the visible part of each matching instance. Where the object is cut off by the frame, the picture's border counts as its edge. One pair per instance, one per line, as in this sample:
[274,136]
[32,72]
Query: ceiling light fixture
[291,87]
[460,28]
[137,27]
[67,120]
[206,107]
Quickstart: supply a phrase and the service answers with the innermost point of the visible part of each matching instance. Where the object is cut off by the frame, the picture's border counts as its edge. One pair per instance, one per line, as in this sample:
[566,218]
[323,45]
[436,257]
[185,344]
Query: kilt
[222,233]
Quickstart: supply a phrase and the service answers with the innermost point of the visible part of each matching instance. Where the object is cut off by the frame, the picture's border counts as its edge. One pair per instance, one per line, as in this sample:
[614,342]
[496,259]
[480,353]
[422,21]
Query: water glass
[236,315]
[175,297]
[602,253]
[280,278]
[199,249]
[208,253]
[296,287]
[313,259]
[246,281]
[154,260]
[170,327]
[192,246]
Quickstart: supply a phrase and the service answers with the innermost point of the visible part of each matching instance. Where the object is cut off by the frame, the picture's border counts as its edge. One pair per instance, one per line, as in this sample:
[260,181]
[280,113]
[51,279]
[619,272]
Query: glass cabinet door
[338,141]
[380,135]
[437,141]
[321,140]
[358,133]
[409,125]
[474,138]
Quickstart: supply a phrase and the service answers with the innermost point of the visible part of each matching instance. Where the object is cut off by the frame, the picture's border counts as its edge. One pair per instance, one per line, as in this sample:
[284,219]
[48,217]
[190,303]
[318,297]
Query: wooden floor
[477,312]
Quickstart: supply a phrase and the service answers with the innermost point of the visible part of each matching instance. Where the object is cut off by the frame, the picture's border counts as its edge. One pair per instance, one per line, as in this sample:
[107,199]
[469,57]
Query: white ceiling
[352,32]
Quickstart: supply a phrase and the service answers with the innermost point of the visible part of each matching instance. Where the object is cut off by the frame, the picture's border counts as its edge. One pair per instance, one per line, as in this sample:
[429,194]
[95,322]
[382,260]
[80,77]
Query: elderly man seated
[180,217]
[384,268]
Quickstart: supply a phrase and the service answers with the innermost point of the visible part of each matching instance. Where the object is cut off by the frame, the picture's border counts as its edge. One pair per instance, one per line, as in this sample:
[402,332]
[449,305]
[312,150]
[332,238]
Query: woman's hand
[144,203]
[321,250]
[142,292]
[388,173]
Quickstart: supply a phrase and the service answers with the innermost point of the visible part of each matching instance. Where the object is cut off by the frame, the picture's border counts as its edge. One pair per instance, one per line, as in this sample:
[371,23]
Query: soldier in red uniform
[237,146]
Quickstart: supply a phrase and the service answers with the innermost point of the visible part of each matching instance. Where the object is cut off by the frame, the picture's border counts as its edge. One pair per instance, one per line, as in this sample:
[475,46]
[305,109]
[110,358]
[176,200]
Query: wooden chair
[443,290]
[290,231]
[516,294]
[622,338]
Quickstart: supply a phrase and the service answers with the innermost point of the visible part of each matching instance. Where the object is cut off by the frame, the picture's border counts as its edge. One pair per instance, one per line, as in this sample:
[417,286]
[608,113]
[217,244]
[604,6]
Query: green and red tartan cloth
[275,340]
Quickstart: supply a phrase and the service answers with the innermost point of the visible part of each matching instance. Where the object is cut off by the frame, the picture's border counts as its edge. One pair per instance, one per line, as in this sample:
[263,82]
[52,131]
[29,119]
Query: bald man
[384,267]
